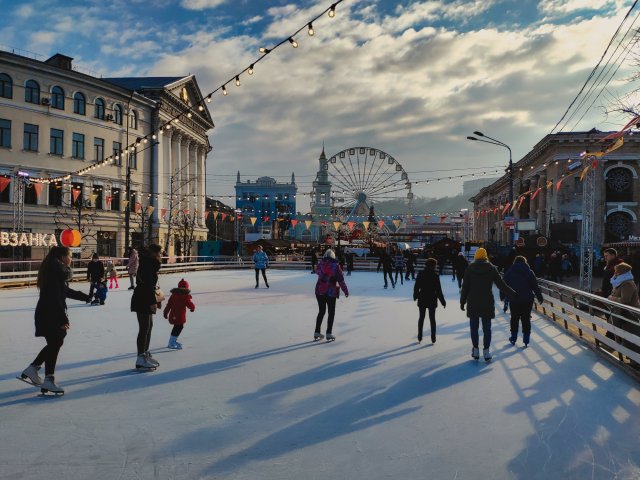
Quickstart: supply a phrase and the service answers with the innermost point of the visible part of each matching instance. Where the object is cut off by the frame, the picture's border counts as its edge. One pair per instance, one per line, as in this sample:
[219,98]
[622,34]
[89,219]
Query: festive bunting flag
[232,218]
[215,216]
[396,223]
[38,188]
[443,218]
[265,219]
[535,194]
[584,172]
[163,213]
[108,199]
[206,215]
[294,223]
[515,204]
[366,225]
[75,193]
[125,203]
[559,184]
[4,183]
[223,215]
[380,223]
[138,207]
[150,210]
[351,224]
[506,207]
[308,224]
[336,225]
[253,219]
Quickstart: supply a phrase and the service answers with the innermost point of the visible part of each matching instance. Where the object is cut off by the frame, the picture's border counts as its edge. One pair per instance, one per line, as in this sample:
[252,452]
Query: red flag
[380,223]
[75,193]
[163,213]
[108,199]
[223,215]
[506,207]
[185,211]
[38,188]
[138,208]
[444,217]
[294,223]
[265,219]
[535,194]
[559,184]
[206,214]
[351,224]
[4,183]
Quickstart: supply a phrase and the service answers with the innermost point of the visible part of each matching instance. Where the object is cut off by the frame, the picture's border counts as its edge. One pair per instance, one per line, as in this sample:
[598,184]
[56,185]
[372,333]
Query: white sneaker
[150,359]
[142,362]
[49,384]
[31,373]
[475,353]
[487,354]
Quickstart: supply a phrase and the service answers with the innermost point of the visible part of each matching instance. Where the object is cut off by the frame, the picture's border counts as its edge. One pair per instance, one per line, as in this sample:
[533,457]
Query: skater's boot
[433,338]
[487,354]
[475,353]
[150,359]
[267,285]
[256,285]
[49,384]
[419,337]
[31,373]
[330,337]
[143,363]
[172,343]
[525,339]
[513,338]
[317,336]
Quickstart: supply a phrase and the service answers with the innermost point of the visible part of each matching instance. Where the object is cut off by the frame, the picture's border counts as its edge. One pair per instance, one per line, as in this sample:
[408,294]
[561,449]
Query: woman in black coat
[51,318]
[143,302]
[477,294]
[427,291]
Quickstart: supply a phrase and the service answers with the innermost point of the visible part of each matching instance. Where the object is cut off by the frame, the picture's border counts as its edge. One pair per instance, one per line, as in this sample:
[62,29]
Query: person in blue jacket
[522,279]
[260,262]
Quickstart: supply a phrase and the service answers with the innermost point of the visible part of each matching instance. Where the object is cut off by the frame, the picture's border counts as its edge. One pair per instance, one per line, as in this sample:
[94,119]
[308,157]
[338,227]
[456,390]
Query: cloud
[24,11]
[201,4]
[562,7]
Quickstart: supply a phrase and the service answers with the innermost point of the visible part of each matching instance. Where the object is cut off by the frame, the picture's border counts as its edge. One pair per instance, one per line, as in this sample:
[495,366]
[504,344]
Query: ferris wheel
[364,176]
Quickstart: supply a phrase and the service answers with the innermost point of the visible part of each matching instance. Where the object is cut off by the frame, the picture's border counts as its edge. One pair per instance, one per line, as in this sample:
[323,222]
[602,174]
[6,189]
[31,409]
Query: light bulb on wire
[293,43]
[224,91]
[250,69]
[264,50]
[332,11]
[310,31]
[237,81]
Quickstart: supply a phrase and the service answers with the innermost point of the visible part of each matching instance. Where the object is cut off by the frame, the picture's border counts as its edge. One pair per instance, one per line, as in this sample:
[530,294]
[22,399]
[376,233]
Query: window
[133,119]
[132,201]
[117,114]
[32,92]
[133,159]
[76,194]
[117,153]
[57,137]
[79,104]
[115,199]
[6,86]
[30,197]
[99,108]
[77,145]
[5,188]
[98,149]
[5,133]
[97,202]
[30,137]
[57,98]
[55,194]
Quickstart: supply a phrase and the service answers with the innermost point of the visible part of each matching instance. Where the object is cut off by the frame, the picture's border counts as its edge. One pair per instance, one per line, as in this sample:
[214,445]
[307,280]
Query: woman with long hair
[51,319]
[330,281]
[427,291]
[143,302]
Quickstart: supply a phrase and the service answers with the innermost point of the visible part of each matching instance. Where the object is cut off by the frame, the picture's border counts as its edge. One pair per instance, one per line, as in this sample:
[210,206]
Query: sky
[411,78]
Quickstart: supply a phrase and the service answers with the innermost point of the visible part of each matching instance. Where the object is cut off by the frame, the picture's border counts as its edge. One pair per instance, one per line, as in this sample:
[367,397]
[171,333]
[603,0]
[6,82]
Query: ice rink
[251,396]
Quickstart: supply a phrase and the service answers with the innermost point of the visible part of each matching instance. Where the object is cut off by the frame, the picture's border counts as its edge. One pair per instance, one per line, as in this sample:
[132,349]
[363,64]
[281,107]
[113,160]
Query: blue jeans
[474,323]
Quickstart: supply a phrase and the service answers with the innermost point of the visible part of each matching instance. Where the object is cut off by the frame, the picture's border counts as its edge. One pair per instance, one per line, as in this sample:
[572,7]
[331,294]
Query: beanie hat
[481,254]
[330,254]
[183,284]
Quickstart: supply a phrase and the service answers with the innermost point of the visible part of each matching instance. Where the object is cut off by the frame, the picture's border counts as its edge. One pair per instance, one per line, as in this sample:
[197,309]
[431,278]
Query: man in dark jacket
[460,265]
[411,264]
[478,296]
[386,262]
[611,260]
[427,291]
[95,273]
[522,279]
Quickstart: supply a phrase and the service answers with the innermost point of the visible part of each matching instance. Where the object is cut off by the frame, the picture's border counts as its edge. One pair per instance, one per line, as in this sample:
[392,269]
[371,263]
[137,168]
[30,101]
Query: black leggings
[432,320]
[49,354]
[264,276]
[145,324]
[176,330]
[325,301]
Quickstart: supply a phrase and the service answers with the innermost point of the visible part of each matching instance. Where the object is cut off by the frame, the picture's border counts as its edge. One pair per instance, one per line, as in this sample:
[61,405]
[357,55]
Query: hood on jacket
[480,268]
[520,267]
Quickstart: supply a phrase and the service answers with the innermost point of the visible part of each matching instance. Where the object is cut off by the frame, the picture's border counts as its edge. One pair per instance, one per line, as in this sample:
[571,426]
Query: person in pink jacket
[176,311]
[330,282]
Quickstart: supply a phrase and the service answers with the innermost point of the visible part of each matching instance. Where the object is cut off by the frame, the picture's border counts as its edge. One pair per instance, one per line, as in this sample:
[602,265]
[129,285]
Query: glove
[415,298]
[462,307]
[444,304]
[166,315]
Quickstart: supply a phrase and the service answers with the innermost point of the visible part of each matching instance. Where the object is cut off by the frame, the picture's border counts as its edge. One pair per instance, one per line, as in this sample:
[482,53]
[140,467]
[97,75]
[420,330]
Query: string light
[264,50]
[332,10]
[311,32]
[237,81]
[250,69]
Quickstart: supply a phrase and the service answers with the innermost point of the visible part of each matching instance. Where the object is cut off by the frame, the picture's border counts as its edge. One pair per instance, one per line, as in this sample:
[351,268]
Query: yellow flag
[308,224]
[396,223]
[366,225]
[215,217]
[336,225]
[253,220]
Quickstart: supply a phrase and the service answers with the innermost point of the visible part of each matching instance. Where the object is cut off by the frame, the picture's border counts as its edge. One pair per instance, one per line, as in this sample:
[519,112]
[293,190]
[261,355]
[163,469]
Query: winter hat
[481,254]
[330,254]
[183,284]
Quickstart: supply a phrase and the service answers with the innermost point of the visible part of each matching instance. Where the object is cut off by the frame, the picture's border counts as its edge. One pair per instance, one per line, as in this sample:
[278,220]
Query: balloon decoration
[70,238]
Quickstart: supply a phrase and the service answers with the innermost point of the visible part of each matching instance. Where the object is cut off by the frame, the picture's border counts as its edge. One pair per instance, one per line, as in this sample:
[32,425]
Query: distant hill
[425,205]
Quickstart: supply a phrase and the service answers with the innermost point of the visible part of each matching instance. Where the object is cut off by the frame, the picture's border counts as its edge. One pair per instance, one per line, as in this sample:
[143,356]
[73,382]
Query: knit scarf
[618,280]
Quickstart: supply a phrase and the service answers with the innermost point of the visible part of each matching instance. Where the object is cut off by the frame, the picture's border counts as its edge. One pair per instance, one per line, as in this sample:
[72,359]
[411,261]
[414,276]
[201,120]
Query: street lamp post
[494,141]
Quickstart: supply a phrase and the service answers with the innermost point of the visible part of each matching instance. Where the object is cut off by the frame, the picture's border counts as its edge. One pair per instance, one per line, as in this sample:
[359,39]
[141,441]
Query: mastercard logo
[70,238]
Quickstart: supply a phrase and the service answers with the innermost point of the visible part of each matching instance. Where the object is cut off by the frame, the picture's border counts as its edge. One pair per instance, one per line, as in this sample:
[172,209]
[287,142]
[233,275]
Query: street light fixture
[494,141]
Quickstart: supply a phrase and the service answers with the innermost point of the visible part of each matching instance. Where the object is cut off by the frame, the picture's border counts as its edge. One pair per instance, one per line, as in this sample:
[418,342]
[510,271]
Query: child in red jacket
[176,311]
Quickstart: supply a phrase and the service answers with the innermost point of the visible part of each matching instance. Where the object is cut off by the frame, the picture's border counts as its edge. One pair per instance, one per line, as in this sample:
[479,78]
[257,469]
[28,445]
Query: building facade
[99,137]
[267,207]
[547,181]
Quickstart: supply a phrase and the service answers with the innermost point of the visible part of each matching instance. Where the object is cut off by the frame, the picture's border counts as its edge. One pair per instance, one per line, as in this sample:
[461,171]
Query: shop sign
[520,242]
[27,239]
[541,241]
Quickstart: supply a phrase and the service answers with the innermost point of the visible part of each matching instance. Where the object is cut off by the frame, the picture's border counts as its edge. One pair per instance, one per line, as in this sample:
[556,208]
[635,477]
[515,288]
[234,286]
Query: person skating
[176,311]
[427,291]
[260,264]
[95,273]
[386,263]
[100,296]
[112,275]
[330,281]
[132,266]
[398,264]
[51,320]
[522,279]
[411,264]
[349,259]
[478,296]
[144,304]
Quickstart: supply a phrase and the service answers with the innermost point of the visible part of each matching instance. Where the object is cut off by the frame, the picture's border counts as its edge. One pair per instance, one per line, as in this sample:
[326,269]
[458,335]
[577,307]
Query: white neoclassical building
[56,122]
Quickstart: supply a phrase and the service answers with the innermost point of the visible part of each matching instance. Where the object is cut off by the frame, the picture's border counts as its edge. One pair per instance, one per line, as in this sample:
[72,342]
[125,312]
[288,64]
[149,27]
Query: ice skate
[150,359]
[419,337]
[174,344]
[512,339]
[30,375]
[433,338]
[330,337]
[317,336]
[143,364]
[49,385]
[487,355]
[475,353]
[525,339]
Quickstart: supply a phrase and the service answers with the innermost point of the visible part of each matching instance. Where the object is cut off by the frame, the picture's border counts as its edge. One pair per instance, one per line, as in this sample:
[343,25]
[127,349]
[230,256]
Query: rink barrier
[609,327]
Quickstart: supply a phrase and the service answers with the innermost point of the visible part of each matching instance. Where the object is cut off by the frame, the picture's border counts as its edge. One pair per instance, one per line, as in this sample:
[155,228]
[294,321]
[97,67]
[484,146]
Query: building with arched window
[547,182]
[56,121]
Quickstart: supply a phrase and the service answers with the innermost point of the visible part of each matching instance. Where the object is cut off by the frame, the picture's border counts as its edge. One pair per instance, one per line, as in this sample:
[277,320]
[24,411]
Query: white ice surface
[252,397]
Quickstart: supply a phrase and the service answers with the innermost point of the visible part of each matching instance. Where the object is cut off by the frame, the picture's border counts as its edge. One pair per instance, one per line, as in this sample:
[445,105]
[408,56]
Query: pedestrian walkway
[251,396]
